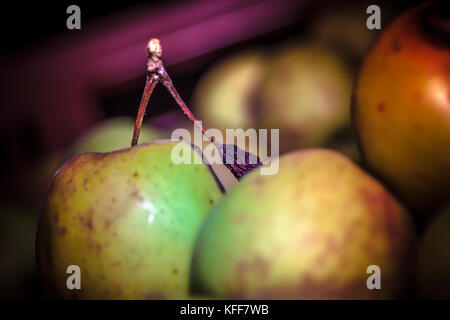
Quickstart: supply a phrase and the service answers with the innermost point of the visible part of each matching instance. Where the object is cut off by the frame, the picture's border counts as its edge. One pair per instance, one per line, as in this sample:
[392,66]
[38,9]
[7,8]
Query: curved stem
[165,79]
[239,161]
[150,84]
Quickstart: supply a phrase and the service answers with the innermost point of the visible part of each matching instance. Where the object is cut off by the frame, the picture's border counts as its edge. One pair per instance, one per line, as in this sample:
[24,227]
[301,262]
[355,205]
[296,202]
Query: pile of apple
[139,226]
[302,86]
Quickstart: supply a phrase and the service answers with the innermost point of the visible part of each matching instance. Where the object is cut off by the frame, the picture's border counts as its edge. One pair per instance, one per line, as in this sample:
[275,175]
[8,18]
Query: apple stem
[238,168]
[157,73]
[150,84]
[171,88]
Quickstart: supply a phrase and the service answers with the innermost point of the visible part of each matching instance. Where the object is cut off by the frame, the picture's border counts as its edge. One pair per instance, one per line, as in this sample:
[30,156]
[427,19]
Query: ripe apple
[310,231]
[128,219]
[401,110]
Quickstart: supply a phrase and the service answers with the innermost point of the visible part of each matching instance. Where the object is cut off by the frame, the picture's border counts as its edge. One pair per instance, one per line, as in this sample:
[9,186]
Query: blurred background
[65,92]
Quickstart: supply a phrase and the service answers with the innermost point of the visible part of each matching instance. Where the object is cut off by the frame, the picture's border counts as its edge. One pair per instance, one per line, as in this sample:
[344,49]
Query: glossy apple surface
[128,219]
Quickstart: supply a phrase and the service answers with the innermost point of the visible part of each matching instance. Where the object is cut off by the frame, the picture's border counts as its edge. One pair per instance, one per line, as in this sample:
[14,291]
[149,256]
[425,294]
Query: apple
[306,96]
[128,219]
[401,110]
[311,231]
[225,96]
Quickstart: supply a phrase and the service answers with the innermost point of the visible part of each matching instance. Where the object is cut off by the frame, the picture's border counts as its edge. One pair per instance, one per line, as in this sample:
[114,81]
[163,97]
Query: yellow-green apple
[225,96]
[306,96]
[128,219]
[112,134]
[312,231]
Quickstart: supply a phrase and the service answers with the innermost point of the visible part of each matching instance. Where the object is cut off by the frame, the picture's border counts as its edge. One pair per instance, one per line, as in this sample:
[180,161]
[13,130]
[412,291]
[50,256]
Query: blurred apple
[224,97]
[343,27]
[306,96]
[112,134]
[401,109]
[433,276]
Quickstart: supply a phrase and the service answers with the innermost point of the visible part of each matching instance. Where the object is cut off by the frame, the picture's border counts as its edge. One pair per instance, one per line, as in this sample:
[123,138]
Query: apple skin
[308,232]
[401,112]
[128,219]
[307,96]
[433,274]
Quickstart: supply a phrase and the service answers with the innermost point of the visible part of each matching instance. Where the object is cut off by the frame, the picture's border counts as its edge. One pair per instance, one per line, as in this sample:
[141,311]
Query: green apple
[433,276]
[128,219]
[224,97]
[108,135]
[307,96]
[112,134]
[309,231]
